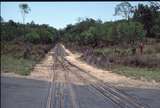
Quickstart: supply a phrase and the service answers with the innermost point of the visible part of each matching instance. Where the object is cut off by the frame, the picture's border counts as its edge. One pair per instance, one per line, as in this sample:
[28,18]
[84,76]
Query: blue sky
[59,14]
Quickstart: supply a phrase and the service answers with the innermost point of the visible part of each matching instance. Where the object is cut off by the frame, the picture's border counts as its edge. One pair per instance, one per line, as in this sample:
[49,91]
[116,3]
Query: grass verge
[12,59]
[138,73]
[17,65]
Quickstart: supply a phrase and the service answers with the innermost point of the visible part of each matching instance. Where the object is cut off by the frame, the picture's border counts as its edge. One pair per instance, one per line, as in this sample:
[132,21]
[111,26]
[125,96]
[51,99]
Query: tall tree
[124,9]
[25,9]
[146,15]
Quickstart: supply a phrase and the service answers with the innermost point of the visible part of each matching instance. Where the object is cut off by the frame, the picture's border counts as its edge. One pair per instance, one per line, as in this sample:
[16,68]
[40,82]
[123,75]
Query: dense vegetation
[108,44]
[94,33]
[29,32]
[112,45]
[22,45]
[144,23]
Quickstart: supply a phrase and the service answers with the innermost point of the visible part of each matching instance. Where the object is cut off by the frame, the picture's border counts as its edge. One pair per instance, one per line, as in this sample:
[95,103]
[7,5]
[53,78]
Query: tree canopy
[34,33]
[25,9]
[124,9]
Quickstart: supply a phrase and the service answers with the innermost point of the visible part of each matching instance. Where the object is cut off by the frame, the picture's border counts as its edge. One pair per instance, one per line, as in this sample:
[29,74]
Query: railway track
[52,77]
[118,97]
[61,94]
[69,86]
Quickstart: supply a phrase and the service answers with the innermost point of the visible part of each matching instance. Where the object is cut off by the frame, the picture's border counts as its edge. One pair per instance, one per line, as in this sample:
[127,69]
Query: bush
[157,48]
[11,31]
[151,49]
[156,30]
[109,32]
[143,61]
[130,31]
[124,32]
[112,34]
[32,37]
[46,37]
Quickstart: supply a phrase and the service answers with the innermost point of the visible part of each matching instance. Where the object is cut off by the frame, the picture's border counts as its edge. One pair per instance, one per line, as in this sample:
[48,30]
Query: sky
[60,14]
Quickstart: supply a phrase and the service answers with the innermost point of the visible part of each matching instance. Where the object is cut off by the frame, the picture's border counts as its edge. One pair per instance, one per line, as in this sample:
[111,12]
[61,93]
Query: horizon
[64,13]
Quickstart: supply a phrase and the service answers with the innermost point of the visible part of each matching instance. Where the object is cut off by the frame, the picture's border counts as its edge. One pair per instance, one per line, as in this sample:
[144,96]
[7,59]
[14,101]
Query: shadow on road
[29,93]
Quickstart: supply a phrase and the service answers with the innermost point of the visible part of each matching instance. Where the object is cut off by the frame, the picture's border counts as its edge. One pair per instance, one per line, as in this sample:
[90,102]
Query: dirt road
[60,83]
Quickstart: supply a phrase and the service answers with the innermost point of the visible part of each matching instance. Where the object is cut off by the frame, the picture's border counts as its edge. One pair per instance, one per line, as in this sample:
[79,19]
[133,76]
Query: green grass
[138,73]
[17,65]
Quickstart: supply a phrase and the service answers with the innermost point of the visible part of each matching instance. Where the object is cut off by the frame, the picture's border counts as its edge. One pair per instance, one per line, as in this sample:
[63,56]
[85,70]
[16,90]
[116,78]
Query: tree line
[32,33]
[139,22]
[28,33]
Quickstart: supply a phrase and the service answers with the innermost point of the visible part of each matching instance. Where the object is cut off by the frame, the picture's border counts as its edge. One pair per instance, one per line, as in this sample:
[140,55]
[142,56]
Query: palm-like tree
[124,9]
[25,9]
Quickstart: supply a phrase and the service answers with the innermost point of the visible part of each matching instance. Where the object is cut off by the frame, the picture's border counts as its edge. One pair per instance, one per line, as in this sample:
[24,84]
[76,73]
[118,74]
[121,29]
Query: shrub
[149,49]
[130,31]
[142,61]
[156,30]
[32,37]
[46,37]
[157,48]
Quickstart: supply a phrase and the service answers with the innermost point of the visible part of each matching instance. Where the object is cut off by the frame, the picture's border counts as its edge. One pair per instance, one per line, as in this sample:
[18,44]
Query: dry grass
[110,77]
[139,66]
[12,56]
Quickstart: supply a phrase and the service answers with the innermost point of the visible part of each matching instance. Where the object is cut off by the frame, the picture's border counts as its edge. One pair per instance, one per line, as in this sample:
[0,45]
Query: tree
[14,31]
[32,23]
[124,9]
[32,37]
[147,16]
[130,32]
[156,30]
[112,34]
[25,9]
[11,22]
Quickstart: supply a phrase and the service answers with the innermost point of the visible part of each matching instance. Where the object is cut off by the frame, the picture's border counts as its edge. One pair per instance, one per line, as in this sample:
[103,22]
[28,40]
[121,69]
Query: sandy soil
[108,76]
[42,71]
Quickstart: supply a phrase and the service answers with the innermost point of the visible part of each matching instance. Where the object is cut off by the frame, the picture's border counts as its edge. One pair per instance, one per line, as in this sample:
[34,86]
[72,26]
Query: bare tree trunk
[27,44]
